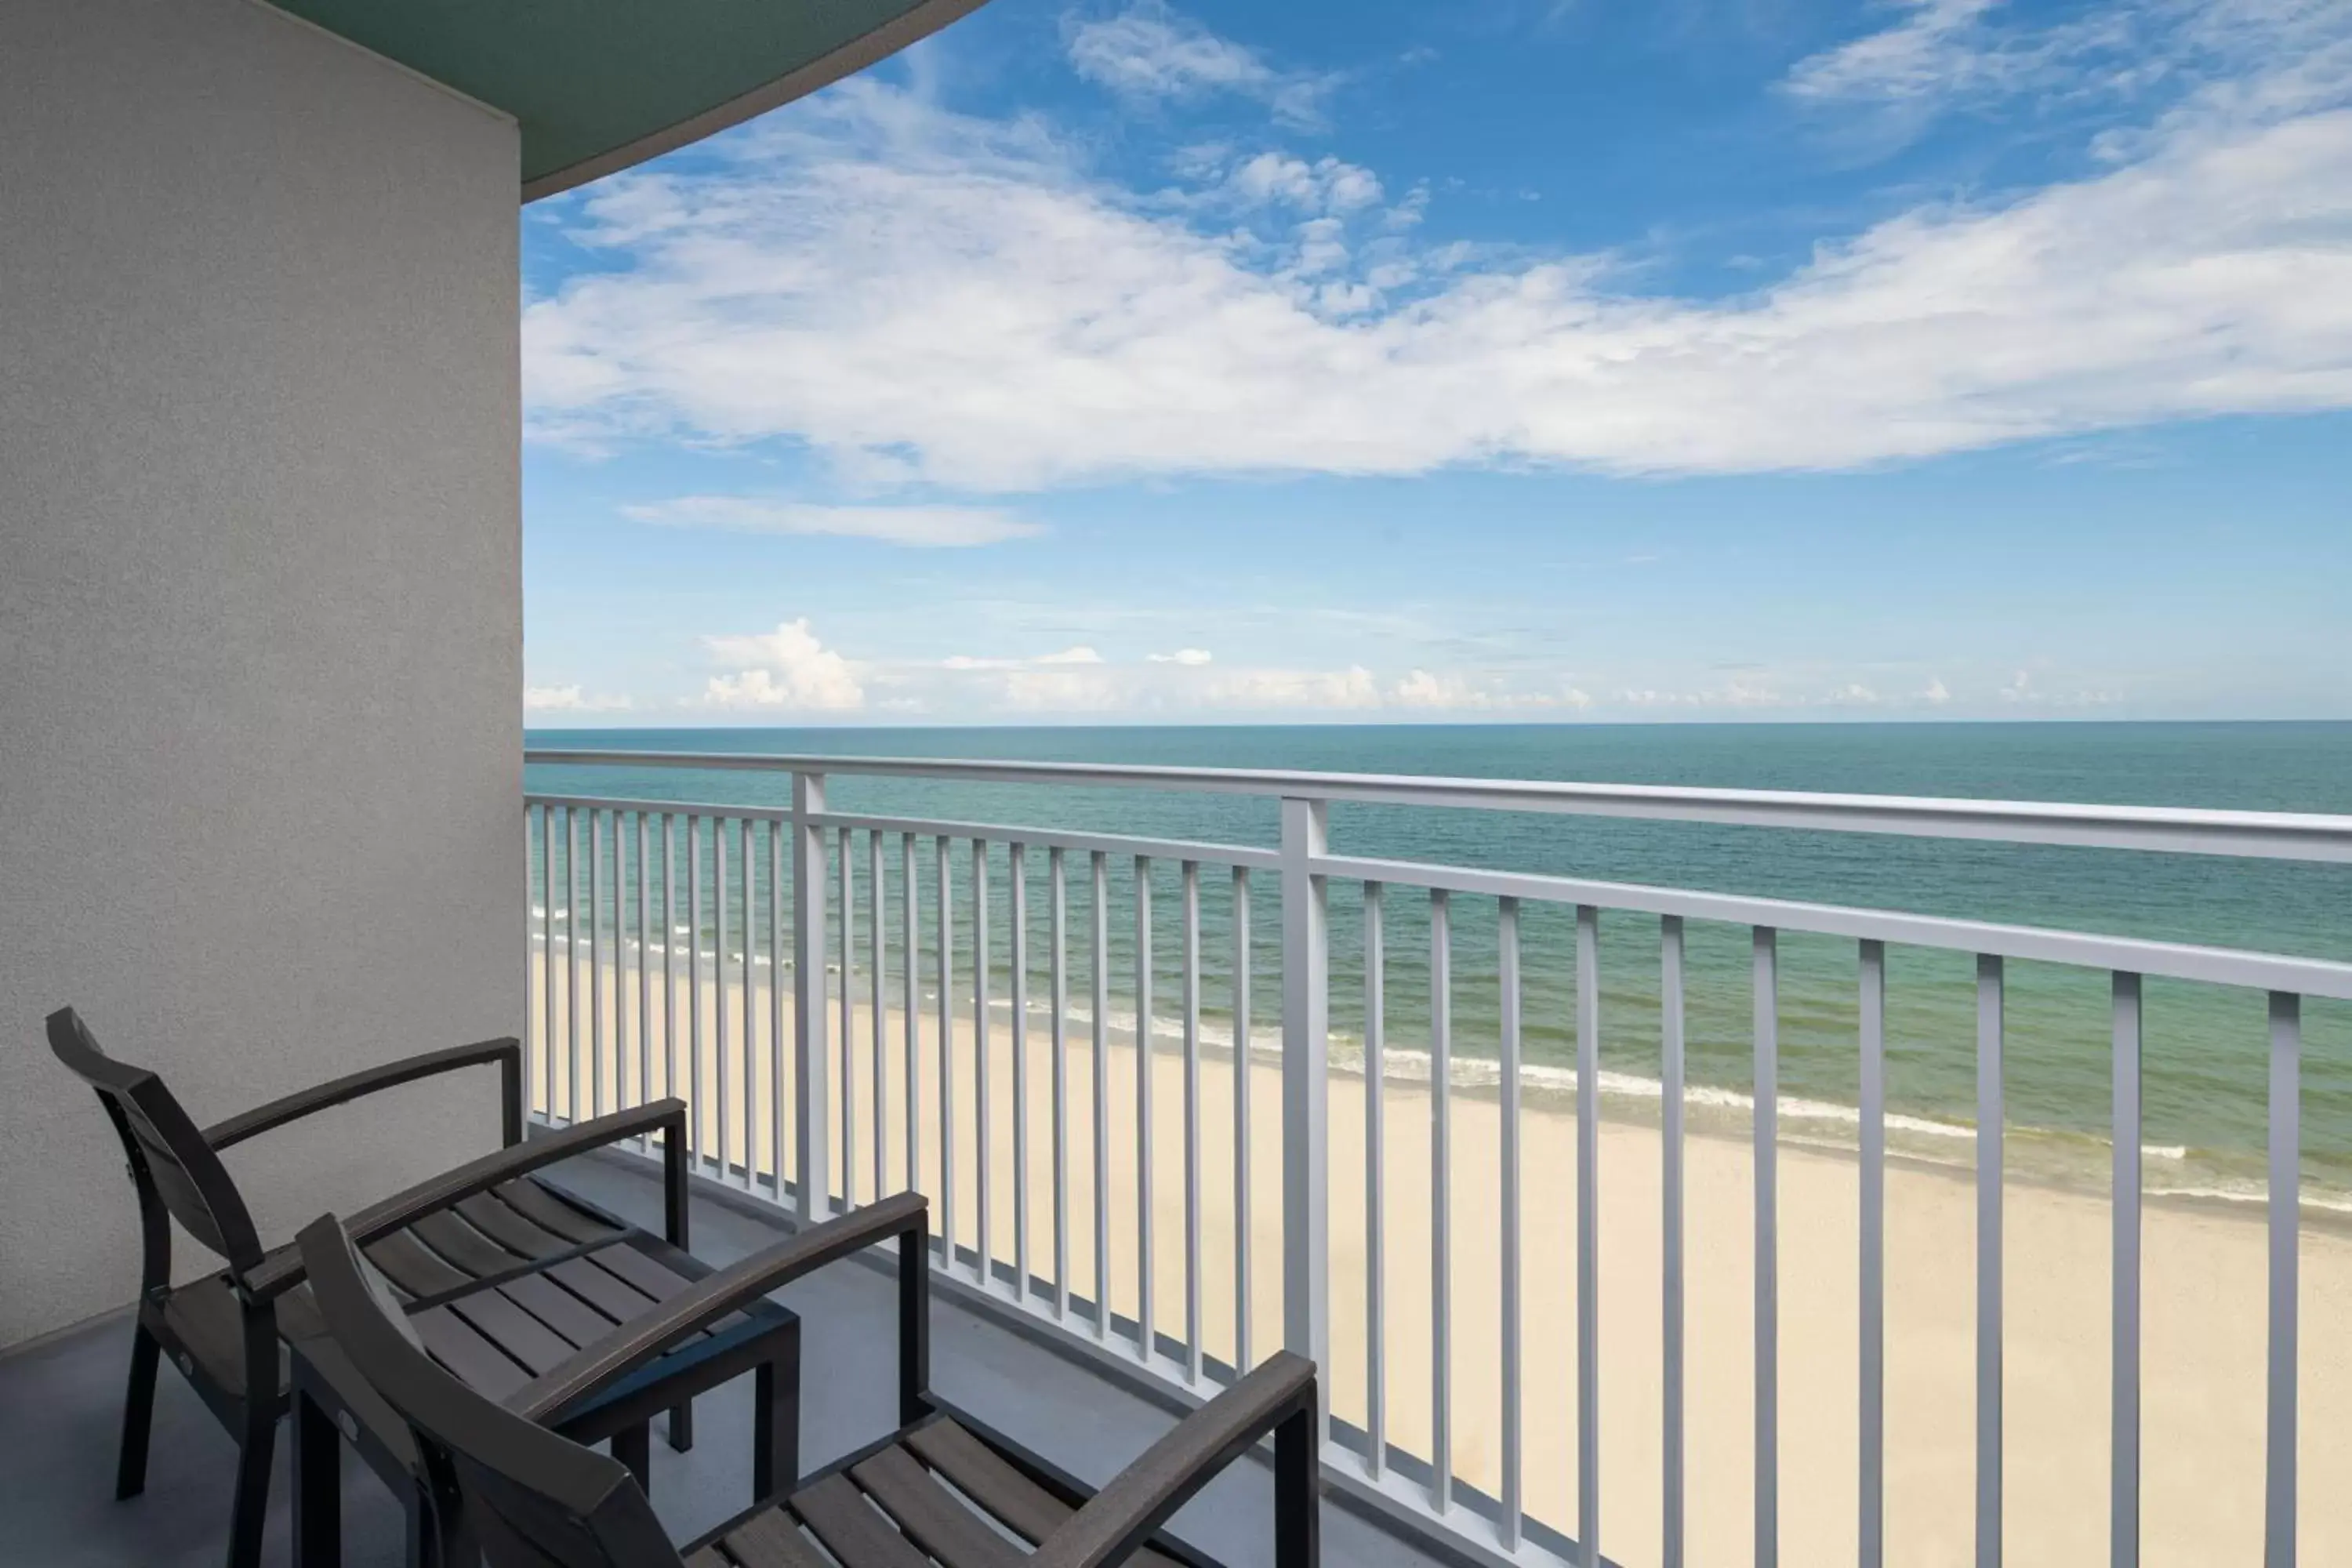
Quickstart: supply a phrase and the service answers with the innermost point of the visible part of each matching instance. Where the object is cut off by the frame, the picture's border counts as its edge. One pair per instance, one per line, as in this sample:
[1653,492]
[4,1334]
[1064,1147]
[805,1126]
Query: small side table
[496,1337]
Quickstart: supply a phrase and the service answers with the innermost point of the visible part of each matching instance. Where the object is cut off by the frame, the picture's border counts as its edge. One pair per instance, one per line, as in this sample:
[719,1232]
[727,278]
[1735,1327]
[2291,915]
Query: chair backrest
[170,1161]
[530,1499]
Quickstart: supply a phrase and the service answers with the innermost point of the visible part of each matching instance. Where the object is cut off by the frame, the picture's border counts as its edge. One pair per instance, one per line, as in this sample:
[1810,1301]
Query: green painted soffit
[598,85]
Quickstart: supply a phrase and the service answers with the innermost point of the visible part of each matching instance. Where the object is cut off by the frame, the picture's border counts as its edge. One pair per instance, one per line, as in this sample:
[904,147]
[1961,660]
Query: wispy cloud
[572,700]
[869,273]
[927,527]
[1150,52]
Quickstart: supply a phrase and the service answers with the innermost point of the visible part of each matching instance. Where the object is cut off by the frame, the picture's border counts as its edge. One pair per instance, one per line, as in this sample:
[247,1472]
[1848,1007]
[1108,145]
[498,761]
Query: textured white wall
[260,628]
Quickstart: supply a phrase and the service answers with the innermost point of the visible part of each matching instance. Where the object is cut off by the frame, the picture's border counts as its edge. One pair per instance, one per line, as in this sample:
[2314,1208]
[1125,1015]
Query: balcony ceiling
[598,85]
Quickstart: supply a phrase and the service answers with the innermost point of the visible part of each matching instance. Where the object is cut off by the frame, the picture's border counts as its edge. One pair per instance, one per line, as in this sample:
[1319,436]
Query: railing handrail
[2268,835]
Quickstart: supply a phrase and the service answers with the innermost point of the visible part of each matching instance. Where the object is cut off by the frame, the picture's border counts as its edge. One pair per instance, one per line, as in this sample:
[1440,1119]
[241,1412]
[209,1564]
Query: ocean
[2204,1053]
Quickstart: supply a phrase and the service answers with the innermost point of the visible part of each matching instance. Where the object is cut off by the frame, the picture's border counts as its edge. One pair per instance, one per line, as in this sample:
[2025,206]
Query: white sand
[2203,1287]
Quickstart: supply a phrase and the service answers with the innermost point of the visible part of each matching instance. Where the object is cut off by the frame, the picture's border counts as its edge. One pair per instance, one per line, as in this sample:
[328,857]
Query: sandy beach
[2203,1288]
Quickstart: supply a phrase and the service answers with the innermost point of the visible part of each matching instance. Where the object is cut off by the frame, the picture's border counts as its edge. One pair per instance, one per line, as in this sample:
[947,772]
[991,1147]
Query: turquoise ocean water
[2205,1046]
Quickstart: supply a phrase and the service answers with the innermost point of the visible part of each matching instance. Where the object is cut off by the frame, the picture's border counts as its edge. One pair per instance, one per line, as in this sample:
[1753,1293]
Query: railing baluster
[984,1266]
[571,958]
[1242,1360]
[1872,1494]
[778,1078]
[645,995]
[946,913]
[746,839]
[694,1135]
[534,927]
[547,968]
[595,968]
[1100,975]
[1017,869]
[1507,1115]
[1146,1335]
[1990,1114]
[1376,1366]
[911,1008]
[670,963]
[844,845]
[1058,940]
[719,989]
[1440,1202]
[1192,995]
[1588,1235]
[1671,1031]
[2122,1504]
[877,963]
[2279,1477]
[813,1161]
[1766,1025]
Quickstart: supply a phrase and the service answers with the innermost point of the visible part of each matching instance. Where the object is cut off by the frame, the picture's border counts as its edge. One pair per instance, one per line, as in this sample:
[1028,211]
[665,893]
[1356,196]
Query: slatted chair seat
[943,1490]
[936,1493]
[504,1276]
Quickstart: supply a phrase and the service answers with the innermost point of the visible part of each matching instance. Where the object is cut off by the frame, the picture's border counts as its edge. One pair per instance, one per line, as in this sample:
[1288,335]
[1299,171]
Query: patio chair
[943,1488]
[502,1274]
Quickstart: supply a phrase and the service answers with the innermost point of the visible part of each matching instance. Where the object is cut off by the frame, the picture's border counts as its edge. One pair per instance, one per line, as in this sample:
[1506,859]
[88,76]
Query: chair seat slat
[415,1267]
[852,1529]
[559,1308]
[929,1515]
[511,1230]
[768,1539]
[458,1345]
[513,1330]
[462,1246]
[543,1209]
[989,1480]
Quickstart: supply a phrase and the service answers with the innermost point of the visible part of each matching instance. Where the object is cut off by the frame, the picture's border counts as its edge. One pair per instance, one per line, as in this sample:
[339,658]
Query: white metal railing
[792,1089]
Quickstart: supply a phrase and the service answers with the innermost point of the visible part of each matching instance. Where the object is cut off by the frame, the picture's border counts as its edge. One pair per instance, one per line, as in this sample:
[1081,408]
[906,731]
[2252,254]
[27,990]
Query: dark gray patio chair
[943,1488]
[502,1274]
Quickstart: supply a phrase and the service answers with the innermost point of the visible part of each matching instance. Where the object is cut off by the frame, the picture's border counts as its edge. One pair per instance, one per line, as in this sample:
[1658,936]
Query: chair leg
[681,1426]
[250,1510]
[138,1414]
[775,1426]
[1297,1503]
[318,1487]
[633,1446]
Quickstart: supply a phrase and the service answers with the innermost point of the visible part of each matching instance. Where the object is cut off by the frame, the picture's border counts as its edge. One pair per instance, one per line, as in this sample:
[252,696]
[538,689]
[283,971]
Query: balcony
[1571,1310]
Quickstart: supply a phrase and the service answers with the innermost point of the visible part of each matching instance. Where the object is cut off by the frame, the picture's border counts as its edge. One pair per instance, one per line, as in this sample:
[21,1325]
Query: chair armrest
[1117,1520]
[599,1366]
[282,1272]
[506,1053]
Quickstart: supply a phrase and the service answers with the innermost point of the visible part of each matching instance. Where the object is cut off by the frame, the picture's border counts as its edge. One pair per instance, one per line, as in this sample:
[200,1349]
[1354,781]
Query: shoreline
[1710,1111]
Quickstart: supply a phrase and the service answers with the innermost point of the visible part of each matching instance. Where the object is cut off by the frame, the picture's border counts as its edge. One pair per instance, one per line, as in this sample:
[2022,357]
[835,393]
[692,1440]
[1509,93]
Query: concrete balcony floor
[61,1399]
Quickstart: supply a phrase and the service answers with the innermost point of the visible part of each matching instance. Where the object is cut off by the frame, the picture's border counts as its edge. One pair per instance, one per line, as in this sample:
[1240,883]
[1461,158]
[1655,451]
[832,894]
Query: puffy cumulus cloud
[931,527]
[788,668]
[572,700]
[1185,656]
[1351,687]
[868,273]
[1150,53]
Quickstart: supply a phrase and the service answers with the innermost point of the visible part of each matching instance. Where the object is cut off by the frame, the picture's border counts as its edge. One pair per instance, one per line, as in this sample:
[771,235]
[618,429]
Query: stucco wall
[260,623]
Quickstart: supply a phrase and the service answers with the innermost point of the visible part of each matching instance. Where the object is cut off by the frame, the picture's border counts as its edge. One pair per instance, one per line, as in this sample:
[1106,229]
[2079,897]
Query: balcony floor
[60,1401]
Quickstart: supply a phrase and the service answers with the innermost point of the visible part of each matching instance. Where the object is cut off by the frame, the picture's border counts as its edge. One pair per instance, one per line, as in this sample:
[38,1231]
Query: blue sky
[1755,359]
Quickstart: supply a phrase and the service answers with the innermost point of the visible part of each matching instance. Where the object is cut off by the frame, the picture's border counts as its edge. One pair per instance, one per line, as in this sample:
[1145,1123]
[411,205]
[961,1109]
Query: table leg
[633,1446]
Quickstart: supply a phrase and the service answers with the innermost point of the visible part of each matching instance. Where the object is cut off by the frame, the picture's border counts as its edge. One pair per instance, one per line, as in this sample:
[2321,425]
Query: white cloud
[1150,52]
[1078,655]
[1293,689]
[786,669]
[1193,656]
[1936,696]
[1422,688]
[570,699]
[869,274]
[936,527]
